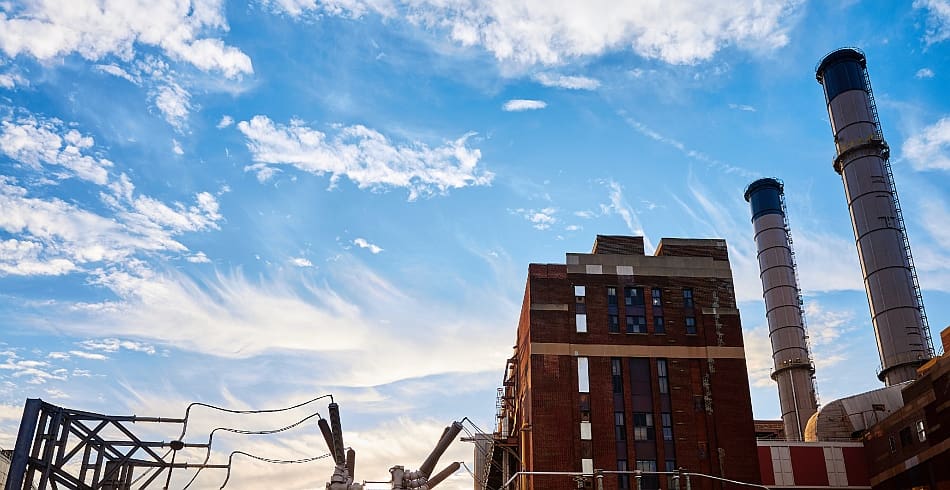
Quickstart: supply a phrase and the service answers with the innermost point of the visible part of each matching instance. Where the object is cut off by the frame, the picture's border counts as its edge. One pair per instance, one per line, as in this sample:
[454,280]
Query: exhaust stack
[792,366]
[897,311]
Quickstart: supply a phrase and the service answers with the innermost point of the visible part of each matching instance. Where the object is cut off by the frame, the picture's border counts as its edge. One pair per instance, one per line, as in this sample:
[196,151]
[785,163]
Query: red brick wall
[550,389]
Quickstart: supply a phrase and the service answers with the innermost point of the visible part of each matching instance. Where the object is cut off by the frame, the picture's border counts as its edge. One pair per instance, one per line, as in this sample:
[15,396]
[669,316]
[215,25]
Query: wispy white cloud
[225,121]
[39,142]
[301,262]
[362,243]
[364,156]
[176,148]
[924,73]
[222,317]
[938,19]
[929,149]
[117,71]
[570,82]
[826,326]
[115,345]
[742,107]
[551,33]
[198,258]
[33,372]
[758,352]
[517,105]
[682,148]
[541,219]
[88,355]
[50,236]
[340,8]
[11,79]
[618,205]
[47,31]
[57,394]
[931,257]
[174,102]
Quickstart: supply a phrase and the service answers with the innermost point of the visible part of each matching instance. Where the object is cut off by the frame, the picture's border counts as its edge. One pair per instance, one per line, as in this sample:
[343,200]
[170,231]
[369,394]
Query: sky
[254,204]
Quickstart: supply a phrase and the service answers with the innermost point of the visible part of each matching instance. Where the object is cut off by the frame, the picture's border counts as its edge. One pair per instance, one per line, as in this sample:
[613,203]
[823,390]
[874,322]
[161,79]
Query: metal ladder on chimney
[801,302]
[925,325]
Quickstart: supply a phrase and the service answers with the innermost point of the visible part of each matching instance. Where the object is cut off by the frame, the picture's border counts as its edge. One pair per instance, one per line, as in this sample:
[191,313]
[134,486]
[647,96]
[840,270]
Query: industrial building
[629,362]
[623,362]
[895,437]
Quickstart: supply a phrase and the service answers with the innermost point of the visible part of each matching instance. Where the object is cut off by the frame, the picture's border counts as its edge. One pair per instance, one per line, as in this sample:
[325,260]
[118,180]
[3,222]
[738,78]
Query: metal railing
[680,480]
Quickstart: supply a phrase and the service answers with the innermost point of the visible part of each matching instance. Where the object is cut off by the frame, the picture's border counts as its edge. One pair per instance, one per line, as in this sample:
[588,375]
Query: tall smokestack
[897,310]
[793,369]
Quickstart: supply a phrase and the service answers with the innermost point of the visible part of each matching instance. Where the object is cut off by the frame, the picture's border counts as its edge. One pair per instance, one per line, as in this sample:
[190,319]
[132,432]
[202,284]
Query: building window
[616,375]
[580,320]
[587,466]
[892,444]
[691,325]
[623,480]
[921,431]
[580,300]
[670,467]
[643,429]
[646,465]
[611,296]
[585,431]
[613,323]
[620,427]
[583,381]
[636,324]
[633,296]
[667,421]
[906,439]
[657,296]
[648,482]
[687,298]
[658,325]
[661,376]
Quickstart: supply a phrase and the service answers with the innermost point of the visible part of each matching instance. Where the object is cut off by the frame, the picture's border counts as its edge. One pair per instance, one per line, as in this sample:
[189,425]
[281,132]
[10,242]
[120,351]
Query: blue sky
[251,204]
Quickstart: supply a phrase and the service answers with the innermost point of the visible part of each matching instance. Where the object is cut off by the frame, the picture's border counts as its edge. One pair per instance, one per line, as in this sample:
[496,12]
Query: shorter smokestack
[792,367]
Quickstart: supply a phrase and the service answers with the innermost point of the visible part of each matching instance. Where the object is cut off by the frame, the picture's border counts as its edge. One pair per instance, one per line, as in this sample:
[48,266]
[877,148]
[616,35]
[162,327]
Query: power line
[267,460]
[245,432]
[184,427]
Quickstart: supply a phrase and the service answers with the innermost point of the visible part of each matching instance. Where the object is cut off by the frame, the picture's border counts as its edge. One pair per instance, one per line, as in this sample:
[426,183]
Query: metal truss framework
[62,448]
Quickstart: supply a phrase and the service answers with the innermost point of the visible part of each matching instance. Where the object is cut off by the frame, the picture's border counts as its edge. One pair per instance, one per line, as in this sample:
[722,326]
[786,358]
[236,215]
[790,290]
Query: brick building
[626,361]
[911,447]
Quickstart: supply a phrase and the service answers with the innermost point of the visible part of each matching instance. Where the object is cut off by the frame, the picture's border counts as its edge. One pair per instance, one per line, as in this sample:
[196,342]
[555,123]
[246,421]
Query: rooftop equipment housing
[792,366]
[897,311]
